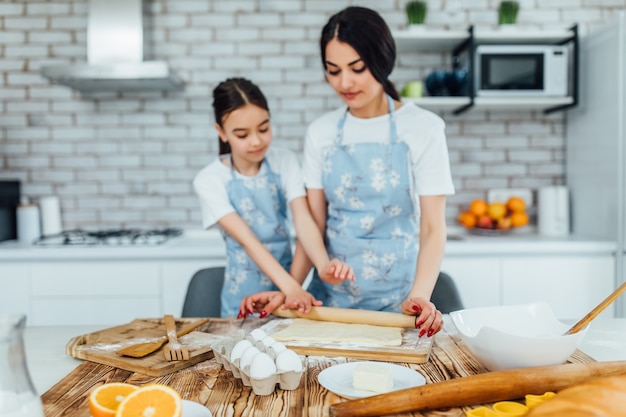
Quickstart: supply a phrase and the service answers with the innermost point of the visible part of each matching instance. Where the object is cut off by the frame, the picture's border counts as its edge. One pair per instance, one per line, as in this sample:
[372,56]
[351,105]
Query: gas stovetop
[110,237]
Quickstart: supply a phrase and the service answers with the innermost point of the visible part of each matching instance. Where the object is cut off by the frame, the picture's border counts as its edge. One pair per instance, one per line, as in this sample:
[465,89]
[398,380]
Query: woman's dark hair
[231,95]
[365,31]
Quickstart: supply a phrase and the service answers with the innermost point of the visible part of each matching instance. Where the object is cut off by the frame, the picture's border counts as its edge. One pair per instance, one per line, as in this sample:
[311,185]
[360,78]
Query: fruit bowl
[479,231]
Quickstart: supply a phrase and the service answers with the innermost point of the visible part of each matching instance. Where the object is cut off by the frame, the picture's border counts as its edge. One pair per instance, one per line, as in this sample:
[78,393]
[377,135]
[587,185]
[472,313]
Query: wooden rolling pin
[477,389]
[352,315]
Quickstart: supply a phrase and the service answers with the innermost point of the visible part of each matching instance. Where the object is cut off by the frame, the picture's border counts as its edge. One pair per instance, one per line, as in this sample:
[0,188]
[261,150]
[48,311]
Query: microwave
[521,70]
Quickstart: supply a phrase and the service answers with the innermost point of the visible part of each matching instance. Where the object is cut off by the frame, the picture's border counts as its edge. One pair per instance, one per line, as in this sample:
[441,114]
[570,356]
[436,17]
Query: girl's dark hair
[231,95]
[366,31]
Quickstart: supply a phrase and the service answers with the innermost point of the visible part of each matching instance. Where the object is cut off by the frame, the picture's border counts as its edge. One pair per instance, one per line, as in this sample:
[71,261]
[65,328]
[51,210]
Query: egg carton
[286,380]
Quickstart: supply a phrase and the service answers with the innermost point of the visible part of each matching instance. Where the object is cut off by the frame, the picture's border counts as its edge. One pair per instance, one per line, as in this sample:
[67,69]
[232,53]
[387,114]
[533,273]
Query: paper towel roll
[28,226]
[50,209]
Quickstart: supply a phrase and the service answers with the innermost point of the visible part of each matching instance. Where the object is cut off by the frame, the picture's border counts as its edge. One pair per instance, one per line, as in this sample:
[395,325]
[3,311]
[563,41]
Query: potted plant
[507,12]
[416,12]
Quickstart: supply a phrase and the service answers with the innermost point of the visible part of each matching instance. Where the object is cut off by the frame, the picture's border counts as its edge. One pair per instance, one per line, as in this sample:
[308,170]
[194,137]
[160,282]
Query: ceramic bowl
[516,336]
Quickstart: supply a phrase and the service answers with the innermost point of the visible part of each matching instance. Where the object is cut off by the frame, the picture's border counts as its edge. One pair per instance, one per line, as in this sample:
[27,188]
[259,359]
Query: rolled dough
[304,330]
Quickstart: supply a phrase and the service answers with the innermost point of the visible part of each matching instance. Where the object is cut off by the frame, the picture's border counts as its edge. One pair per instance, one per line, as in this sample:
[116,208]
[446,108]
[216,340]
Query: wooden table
[224,395]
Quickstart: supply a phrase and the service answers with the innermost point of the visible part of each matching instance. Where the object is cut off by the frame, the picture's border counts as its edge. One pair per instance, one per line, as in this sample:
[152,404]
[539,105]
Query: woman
[372,169]
[246,192]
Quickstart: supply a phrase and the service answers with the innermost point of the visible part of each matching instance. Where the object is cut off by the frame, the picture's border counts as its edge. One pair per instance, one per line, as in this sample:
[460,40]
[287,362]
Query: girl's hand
[300,300]
[261,302]
[336,272]
[429,320]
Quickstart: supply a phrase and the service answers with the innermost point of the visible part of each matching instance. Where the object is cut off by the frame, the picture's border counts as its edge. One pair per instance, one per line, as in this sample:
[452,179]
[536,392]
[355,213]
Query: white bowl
[516,336]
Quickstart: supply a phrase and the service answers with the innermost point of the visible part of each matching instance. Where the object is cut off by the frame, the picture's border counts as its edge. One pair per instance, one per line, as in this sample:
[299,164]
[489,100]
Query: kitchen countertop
[48,363]
[199,244]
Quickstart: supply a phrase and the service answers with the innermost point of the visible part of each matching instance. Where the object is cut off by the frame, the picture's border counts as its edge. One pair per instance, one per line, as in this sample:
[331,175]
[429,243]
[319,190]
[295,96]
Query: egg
[276,348]
[288,360]
[238,349]
[262,366]
[258,334]
[268,341]
[247,356]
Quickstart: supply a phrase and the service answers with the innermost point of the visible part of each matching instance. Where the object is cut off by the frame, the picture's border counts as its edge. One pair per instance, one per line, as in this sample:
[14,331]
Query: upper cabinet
[463,44]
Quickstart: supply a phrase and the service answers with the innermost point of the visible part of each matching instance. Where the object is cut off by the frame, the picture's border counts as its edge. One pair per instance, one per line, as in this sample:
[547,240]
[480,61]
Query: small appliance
[9,200]
[553,213]
[521,70]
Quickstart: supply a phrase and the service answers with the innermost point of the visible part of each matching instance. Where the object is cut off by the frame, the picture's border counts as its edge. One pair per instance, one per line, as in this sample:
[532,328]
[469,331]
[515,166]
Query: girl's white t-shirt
[212,181]
[422,130]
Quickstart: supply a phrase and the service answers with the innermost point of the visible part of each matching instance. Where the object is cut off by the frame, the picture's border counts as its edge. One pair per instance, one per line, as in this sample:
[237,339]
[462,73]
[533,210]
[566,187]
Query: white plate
[194,409]
[338,379]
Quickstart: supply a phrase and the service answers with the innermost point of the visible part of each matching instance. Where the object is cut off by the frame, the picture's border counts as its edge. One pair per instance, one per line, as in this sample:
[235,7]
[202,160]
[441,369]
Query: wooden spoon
[140,350]
[597,310]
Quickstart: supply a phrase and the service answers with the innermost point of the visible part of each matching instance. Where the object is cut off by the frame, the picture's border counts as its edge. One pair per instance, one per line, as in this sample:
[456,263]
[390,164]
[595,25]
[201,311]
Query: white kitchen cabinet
[107,293]
[571,285]
[477,279]
[14,289]
[176,276]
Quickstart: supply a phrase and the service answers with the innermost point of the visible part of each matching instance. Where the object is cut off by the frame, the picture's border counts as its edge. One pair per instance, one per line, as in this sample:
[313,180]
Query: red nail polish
[239,315]
[419,324]
[422,332]
[250,312]
[416,308]
[430,332]
[263,314]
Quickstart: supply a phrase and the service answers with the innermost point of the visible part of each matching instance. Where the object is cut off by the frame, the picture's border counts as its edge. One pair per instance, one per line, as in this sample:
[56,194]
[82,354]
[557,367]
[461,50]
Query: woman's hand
[300,300]
[429,320]
[336,272]
[263,302]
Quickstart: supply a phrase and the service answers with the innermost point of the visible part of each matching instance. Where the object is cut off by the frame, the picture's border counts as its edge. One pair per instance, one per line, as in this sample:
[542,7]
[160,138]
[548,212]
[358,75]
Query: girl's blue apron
[371,222]
[261,203]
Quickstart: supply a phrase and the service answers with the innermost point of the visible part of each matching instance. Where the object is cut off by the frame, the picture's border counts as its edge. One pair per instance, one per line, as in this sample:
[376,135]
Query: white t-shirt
[212,181]
[422,130]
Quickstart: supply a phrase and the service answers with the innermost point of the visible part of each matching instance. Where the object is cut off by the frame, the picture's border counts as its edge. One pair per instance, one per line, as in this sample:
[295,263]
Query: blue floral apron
[371,222]
[261,203]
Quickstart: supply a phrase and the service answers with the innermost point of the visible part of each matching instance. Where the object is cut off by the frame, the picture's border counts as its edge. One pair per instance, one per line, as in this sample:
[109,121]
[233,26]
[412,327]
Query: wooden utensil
[477,389]
[173,351]
[597,310]
[140,350]
[351,315]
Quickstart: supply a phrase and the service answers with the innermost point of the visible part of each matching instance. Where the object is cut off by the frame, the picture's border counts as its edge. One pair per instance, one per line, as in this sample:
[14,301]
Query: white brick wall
[128,160]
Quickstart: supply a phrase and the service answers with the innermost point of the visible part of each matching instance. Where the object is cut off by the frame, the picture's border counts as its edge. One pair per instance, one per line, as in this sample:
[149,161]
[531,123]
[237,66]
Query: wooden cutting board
[100,347]
[414,349]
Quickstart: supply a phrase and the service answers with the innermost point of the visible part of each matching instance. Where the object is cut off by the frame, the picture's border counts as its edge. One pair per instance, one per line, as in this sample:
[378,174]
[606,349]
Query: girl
[246,192]
[373,169]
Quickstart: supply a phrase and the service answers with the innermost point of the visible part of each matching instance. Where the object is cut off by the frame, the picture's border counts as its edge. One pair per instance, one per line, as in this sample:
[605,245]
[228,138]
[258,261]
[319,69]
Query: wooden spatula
[173,351]
[140,350]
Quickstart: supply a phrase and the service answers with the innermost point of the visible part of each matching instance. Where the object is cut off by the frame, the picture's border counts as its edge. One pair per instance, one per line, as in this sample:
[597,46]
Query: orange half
[105,399]
[154,400]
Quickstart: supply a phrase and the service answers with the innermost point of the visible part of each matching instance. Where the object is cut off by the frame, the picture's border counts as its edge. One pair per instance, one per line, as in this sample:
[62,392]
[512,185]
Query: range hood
[115,54]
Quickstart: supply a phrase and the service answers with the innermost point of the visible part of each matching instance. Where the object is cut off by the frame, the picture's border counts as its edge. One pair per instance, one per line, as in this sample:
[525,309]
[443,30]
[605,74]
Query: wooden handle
[477,389]
[170,328]
[599,308]
[350,315]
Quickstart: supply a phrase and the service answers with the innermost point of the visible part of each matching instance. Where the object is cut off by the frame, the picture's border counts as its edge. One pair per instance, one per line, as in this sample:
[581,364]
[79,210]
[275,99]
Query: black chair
[446,296]
[203,293]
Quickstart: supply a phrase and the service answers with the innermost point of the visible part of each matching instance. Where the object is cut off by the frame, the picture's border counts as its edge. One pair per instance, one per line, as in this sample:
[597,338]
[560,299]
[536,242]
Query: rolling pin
[477,389]
[352,315]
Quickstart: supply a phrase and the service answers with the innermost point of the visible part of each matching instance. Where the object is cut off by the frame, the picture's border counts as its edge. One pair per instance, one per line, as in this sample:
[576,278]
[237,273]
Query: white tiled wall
[129,160]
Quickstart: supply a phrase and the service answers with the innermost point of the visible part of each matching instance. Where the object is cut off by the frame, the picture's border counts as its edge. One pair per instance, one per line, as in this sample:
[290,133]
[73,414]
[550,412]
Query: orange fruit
[467,219]
[519,219]
[515,204]
[478,207]
[496,210]
[153,400]
[105,399]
